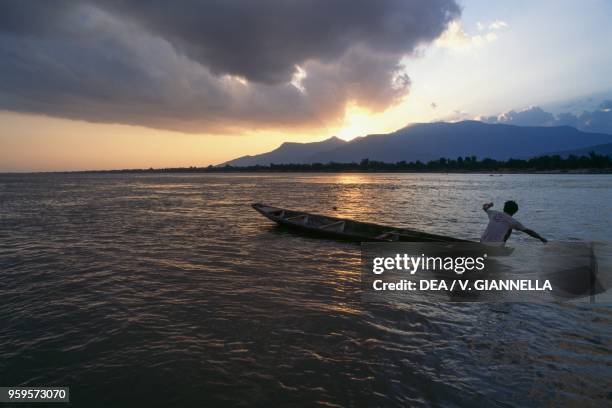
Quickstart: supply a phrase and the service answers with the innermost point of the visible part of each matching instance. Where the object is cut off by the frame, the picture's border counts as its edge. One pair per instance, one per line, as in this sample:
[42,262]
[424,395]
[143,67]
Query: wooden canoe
[346,229]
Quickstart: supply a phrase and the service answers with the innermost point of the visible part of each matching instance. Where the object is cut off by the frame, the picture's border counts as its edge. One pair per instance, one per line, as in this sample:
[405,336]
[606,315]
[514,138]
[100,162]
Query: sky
[126,84]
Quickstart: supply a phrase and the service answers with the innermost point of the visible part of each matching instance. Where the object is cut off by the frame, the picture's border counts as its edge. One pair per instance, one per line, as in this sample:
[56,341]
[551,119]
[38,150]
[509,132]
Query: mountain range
[430,141]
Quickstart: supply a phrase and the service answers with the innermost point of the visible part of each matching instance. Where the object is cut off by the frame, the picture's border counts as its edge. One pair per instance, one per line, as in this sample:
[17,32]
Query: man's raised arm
[485,207]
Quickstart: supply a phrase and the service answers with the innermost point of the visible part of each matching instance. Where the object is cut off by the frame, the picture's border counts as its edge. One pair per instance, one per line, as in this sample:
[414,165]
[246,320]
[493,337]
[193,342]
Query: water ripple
[118,285]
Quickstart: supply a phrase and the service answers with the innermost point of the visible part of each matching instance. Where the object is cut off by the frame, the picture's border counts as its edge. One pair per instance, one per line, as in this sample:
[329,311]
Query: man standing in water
[501,224]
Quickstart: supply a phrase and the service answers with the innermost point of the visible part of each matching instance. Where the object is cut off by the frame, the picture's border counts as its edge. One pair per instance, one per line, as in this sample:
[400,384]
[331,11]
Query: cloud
[567,119]
[606,106]
[497,25]
[456,38]
[597,121]
[531,116]
[208,65]
[456,115]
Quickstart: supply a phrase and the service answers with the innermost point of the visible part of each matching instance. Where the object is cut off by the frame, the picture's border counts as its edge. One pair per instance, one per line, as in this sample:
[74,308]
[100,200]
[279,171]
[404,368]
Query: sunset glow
[186,111]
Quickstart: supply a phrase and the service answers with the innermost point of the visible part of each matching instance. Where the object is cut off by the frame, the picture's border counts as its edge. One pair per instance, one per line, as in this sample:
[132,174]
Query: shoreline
[591,164]
[221,170]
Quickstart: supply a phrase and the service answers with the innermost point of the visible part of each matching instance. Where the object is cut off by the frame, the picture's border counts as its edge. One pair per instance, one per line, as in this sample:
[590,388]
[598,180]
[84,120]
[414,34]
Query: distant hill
[604,149]
[430,141]
[289,153]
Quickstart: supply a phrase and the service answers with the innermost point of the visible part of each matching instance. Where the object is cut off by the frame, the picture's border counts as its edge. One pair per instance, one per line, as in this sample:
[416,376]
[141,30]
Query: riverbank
[591,164]
[204,170]
[225,171]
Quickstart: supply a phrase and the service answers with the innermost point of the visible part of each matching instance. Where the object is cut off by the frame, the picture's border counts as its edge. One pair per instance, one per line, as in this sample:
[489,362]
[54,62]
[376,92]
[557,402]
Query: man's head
[510,207]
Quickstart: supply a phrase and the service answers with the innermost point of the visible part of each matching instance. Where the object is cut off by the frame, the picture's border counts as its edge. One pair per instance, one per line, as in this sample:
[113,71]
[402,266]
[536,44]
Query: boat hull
[345,229]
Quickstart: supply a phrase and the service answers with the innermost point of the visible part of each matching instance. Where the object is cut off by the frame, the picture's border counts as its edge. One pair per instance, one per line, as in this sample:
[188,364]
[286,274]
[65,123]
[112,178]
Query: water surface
[169,289]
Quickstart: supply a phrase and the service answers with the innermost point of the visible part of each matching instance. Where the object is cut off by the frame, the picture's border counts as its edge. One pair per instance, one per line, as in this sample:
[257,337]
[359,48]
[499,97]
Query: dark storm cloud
[597,121]
[29,18]
[184,65]
[263,40]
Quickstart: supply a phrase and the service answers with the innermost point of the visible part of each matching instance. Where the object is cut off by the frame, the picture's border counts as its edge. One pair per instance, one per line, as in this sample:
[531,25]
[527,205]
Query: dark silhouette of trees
[592,162]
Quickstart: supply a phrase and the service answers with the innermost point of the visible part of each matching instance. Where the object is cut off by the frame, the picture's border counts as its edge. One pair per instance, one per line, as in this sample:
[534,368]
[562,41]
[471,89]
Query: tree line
[593,161]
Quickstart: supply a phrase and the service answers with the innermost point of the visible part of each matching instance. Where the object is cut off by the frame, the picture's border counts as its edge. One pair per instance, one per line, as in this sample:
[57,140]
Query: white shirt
[499,225]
